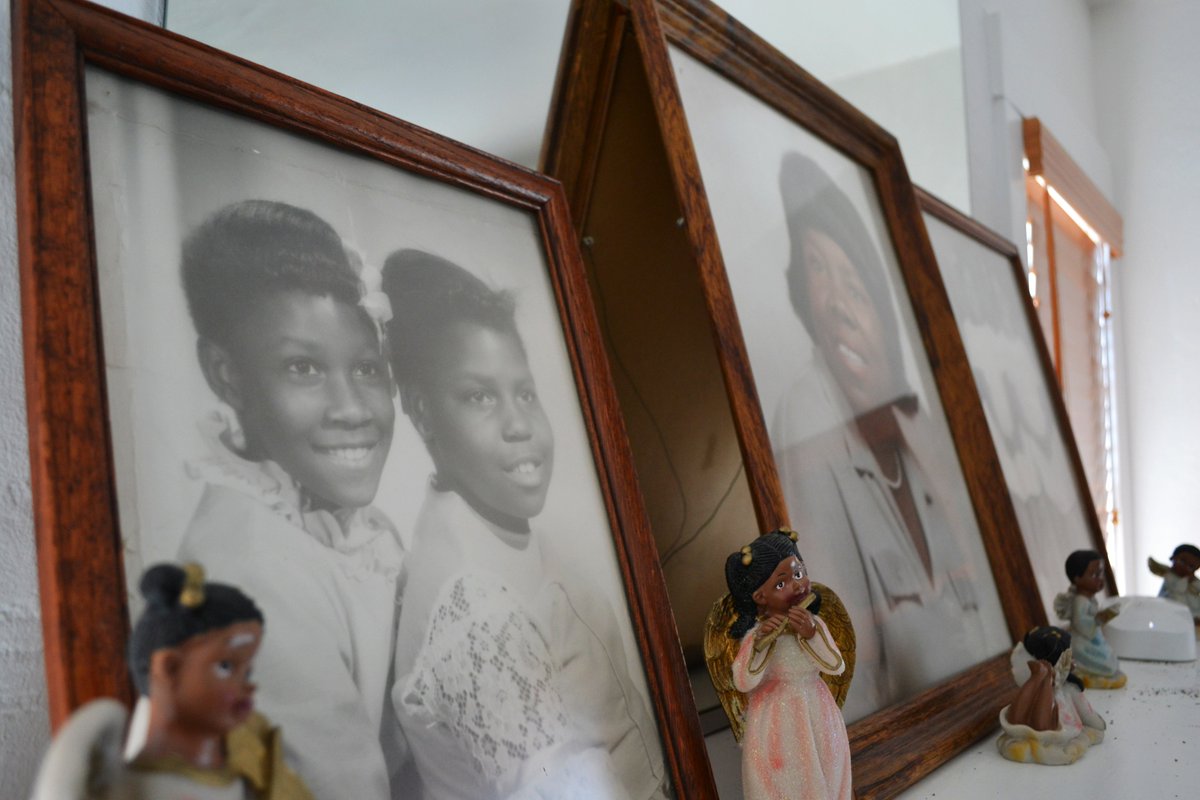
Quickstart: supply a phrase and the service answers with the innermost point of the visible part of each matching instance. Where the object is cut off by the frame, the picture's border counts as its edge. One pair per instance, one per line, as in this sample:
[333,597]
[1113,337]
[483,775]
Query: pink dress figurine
[795,743]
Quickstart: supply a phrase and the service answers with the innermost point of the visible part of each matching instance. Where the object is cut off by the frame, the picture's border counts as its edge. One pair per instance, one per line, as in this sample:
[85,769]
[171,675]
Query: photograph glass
[345,388]
[869,471]
[1017,398]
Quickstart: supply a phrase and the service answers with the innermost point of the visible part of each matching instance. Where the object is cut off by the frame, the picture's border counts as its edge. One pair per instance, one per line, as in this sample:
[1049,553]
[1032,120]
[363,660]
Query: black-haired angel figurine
[1050,721]
[1095,662]
[782,672]
[191,654]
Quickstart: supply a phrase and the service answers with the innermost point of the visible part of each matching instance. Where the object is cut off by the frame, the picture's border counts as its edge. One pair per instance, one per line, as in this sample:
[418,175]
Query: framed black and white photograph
[347,366]
[1025,411]
[778,225]
[870,474]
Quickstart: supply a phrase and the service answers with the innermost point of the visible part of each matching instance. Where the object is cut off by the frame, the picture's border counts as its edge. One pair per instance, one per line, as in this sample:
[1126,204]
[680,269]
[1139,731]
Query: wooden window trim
[1048,158]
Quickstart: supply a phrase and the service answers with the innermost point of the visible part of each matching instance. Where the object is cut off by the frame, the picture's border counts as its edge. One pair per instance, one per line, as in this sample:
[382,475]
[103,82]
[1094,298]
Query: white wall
[1146,67]
[1047,62]
[410,59]
[1026,58]
[920,101]
[478,72]
[899,63]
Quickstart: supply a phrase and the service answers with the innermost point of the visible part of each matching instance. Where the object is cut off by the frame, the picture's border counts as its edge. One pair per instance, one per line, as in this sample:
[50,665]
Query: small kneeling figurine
[795,743]
[1050,721]
[1095,662]
[190,653]
[1179,580]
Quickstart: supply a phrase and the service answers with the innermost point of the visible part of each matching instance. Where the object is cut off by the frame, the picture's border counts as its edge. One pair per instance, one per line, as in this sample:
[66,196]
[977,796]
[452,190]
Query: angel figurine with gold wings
[768,652]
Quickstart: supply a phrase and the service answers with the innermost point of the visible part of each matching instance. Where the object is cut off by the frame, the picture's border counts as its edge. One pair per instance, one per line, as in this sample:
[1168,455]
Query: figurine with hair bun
[1050,721]
[794,742]
[196,735]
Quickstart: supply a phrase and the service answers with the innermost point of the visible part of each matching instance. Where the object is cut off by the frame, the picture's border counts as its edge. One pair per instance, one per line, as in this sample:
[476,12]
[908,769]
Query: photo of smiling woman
[872,495]
[511,678]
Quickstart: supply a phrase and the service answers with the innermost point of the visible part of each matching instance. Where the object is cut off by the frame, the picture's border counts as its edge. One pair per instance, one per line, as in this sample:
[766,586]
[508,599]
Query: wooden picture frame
[988,290]
[622,139]
[84,78]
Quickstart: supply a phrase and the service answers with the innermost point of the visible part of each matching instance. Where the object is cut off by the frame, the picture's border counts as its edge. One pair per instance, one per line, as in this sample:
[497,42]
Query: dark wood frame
[896,746]
[985,236]
[82,585]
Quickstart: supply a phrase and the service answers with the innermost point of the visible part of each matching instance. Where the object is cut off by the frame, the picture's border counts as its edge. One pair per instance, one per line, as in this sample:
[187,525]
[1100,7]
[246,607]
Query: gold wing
[841,628]
[719,653]
[1157,568]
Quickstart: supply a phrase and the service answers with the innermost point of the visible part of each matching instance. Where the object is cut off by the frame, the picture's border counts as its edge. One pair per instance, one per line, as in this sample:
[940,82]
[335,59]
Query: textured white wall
[24,726]
[1147,64]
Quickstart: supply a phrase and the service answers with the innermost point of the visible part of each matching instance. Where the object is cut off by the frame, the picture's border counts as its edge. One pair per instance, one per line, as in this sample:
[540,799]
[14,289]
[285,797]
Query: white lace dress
[327,589]
[507,684]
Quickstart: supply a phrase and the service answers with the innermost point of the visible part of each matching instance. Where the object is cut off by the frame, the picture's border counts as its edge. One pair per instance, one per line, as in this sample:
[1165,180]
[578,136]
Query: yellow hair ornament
[192,595]
[747,556]
[791,534]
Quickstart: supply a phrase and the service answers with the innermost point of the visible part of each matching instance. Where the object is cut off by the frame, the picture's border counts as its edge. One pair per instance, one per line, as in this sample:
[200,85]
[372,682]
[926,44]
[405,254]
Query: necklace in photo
[894,484]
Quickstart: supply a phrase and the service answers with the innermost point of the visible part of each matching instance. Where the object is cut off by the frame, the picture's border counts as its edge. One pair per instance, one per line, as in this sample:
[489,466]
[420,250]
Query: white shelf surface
[1150,750]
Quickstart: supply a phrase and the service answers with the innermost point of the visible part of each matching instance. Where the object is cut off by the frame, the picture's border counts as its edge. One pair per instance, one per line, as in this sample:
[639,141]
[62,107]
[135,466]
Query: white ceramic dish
[1152,629]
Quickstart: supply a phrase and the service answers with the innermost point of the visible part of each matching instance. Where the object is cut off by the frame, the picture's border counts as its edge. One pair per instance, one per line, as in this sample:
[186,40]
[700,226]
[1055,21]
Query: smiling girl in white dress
[289,341]
[511,678]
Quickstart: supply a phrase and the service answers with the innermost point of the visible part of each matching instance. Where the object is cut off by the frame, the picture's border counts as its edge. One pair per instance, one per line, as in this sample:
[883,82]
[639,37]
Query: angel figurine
[768,651]
[1179,580]
[195,733]
[1050,721]
[1095,662]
